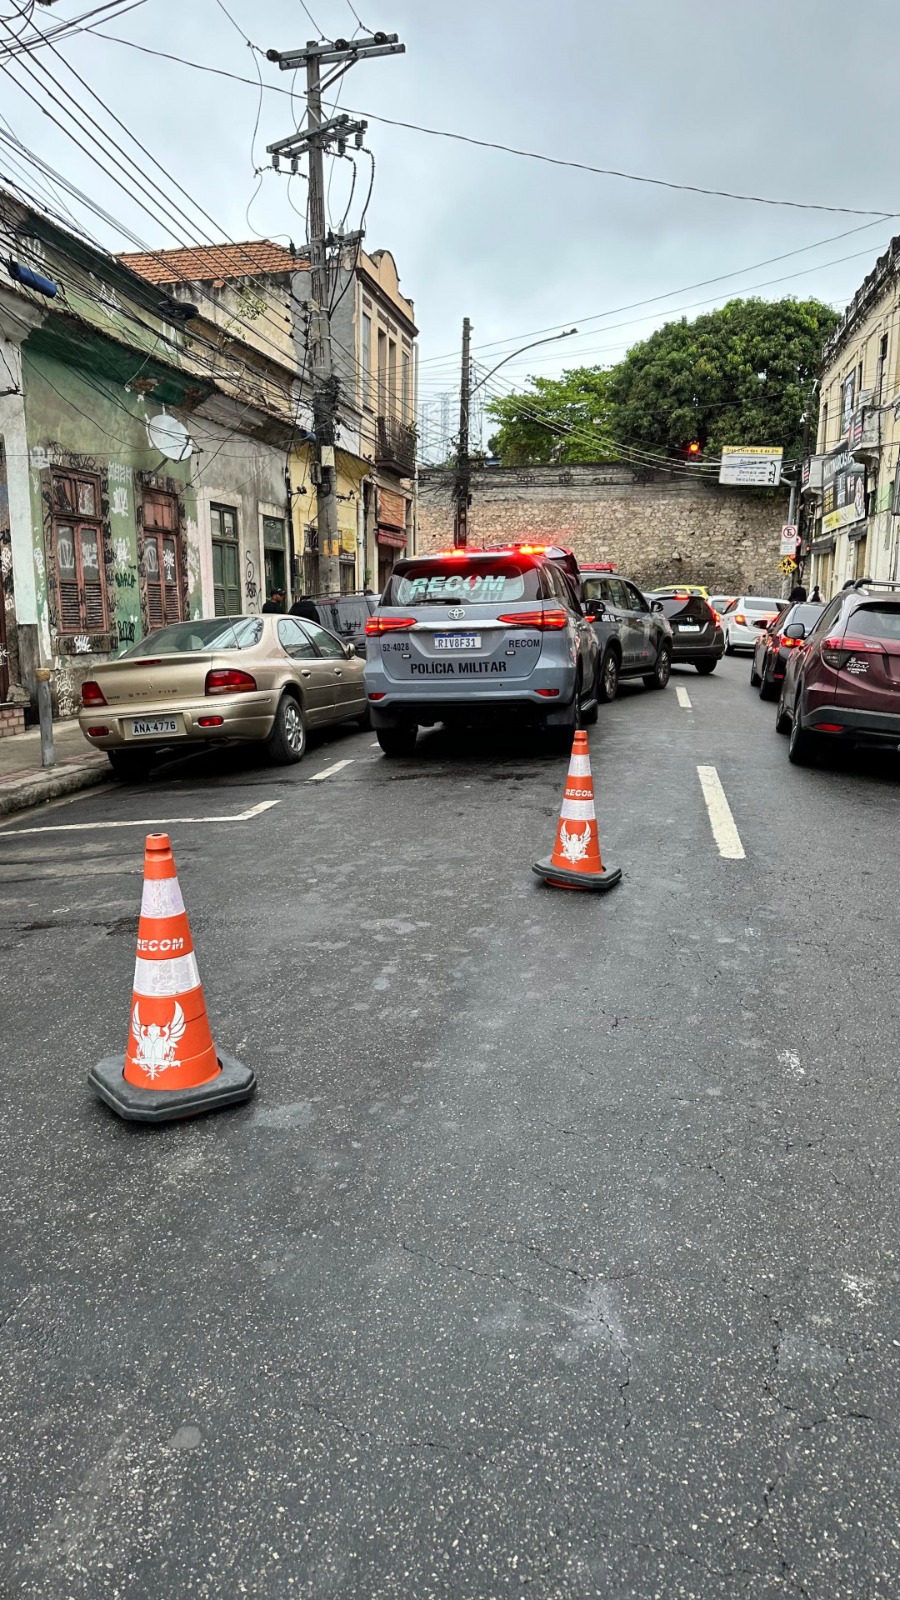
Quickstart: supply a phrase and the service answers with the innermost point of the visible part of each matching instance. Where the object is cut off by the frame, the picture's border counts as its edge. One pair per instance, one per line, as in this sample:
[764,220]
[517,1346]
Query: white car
[745,617]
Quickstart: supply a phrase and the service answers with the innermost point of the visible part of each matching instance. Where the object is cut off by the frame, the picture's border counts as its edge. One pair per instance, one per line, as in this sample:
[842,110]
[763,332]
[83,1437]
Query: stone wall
[657,527]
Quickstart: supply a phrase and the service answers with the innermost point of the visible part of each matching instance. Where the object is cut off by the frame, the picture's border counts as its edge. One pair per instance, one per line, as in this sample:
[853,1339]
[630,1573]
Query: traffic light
[694,448]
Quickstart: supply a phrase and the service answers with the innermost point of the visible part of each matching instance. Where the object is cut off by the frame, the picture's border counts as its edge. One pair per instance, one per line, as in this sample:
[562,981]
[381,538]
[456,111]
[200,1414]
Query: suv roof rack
[875,583]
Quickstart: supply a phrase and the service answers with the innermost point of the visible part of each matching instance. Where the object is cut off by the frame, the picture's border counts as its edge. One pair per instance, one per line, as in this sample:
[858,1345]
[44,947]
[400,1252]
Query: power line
[531,155]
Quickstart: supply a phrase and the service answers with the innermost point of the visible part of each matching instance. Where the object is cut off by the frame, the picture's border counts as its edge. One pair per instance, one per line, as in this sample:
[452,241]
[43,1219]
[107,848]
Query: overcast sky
[791,99]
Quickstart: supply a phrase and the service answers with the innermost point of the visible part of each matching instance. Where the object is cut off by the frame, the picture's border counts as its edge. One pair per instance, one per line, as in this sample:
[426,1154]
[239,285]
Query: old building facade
[376,357]
[851,492]
[659,527]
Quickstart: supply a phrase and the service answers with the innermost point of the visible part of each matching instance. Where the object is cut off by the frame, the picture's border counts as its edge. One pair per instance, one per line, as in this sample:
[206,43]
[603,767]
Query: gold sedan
[222,680]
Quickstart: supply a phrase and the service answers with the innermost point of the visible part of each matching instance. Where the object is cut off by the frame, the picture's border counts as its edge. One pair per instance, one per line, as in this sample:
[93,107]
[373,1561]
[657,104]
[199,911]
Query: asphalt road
[558,1252]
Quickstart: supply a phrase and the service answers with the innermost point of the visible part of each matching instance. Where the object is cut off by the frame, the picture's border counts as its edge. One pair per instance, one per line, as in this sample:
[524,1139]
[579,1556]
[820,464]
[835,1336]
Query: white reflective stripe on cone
[580,767]
[579,810]
[161,898]
[156,978]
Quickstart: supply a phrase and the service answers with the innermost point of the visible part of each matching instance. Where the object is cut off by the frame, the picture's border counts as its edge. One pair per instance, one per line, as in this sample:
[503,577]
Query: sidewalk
[24,782]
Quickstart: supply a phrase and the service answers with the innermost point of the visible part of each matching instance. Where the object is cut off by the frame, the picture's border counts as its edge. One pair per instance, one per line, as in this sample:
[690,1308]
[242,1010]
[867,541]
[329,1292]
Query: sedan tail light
[388,624]
[228,680]
[837,650]
[545,621]
[740,618]
[92,694]
[716,618]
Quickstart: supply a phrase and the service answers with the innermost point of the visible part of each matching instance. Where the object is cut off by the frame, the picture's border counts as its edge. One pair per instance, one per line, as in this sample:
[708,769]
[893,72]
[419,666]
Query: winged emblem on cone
[574,846]
[157,1046]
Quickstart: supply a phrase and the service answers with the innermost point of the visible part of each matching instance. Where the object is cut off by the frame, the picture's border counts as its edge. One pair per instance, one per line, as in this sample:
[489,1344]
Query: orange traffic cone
[170,1068]
[575,862]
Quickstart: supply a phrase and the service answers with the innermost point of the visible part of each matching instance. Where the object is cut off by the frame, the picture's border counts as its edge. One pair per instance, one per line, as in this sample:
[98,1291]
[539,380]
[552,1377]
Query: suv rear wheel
[706,667]
[782,716]
[659,677]
[608,678]
[399,741]
[803,746]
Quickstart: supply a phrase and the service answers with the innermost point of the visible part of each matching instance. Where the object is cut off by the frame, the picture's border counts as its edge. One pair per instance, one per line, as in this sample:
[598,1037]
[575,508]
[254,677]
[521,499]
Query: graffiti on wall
[250,584]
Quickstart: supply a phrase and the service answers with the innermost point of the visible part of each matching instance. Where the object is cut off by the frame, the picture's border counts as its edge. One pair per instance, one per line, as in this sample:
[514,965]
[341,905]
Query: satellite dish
[170,437]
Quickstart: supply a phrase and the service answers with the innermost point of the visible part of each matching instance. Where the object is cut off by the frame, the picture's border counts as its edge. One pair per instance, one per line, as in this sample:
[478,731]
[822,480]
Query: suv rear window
[875,622]
[442,583]
[686,607]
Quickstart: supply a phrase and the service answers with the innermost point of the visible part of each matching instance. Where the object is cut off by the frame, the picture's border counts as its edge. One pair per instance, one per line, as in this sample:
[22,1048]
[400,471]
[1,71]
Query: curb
[23,793]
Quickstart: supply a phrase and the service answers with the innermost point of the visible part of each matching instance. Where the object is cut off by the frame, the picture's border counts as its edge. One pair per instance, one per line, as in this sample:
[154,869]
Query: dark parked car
[773,646]
[635,638]
[697,638]
[842,685]
[346,615]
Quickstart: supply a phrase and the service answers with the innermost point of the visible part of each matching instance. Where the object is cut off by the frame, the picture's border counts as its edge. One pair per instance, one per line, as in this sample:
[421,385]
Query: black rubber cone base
[234,1083]
[562,878]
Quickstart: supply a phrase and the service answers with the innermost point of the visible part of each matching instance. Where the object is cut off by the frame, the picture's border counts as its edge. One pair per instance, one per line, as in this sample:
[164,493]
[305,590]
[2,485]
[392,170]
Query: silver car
[468,636]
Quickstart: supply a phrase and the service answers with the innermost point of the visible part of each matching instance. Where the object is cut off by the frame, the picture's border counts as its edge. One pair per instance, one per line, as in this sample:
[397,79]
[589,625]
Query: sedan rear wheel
[782,716]
[755,679]
[729,647]
[287,741]
[131,766]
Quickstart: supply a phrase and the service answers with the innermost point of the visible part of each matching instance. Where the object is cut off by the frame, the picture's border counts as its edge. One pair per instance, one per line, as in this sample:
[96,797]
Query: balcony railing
[395,446]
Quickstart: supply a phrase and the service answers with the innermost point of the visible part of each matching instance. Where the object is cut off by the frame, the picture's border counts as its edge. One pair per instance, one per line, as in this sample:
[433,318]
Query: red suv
[842,685]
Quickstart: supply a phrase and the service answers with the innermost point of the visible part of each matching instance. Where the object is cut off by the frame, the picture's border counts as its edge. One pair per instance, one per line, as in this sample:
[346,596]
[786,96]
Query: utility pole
[313,141]
[461,487]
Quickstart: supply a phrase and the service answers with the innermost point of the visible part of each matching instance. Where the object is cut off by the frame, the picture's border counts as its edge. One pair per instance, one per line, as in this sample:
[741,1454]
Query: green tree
[536,426]
[743,374]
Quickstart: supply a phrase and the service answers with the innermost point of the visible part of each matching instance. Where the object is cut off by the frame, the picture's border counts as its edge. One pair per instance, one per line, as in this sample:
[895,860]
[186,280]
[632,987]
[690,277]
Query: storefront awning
[387,536]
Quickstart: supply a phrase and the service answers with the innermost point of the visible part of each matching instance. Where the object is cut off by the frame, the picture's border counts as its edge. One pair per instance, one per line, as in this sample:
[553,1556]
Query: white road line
[684,698]
[329,772]
[374,745]
[721,821]
[140,822]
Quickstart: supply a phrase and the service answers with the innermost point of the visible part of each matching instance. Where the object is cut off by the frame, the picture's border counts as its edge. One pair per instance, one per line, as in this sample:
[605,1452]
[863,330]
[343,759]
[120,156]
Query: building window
[348,575]
[847,389]
[77,538]
[391,407]
[405,393]
[226,561]
[880,369]
[382,372]
[366,362]
[162,559]
[273,555]
[824,445]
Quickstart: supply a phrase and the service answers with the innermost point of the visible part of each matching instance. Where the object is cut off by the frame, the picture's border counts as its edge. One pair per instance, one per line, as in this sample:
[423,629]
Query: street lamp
[551,340]
[461,487]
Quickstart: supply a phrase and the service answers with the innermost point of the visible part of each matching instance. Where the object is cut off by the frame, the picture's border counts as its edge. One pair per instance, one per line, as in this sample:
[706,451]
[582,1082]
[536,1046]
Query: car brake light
[828,727]
[544,621]
[378,624]
[716,618]
[92,694]
[228,680]
[211,722]
[740,618]
[549,694]
[837,650]
[99,732]
[788,643]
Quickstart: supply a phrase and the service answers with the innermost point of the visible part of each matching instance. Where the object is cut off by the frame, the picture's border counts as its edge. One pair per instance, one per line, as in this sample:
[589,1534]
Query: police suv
[465,636]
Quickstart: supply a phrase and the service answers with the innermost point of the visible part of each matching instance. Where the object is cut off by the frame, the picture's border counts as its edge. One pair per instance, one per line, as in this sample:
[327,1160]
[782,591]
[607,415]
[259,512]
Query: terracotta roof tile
[214,262]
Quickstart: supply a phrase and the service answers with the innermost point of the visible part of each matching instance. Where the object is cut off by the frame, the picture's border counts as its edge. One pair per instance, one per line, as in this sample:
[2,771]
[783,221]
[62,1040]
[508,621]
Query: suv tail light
[550,620]
[837,651]
[388,624]
[92,694]
[228,680]
[787,643]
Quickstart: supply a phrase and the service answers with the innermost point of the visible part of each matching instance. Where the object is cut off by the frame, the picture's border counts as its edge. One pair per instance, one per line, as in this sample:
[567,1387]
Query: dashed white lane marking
[328,772]
[141,822]
[684,698]
[721,821]
[374,745]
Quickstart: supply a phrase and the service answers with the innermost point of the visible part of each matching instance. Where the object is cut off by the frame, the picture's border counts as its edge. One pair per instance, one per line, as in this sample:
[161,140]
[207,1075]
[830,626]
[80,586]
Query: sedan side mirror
[595,608]
[351,651]
[795,630]
[656,605]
